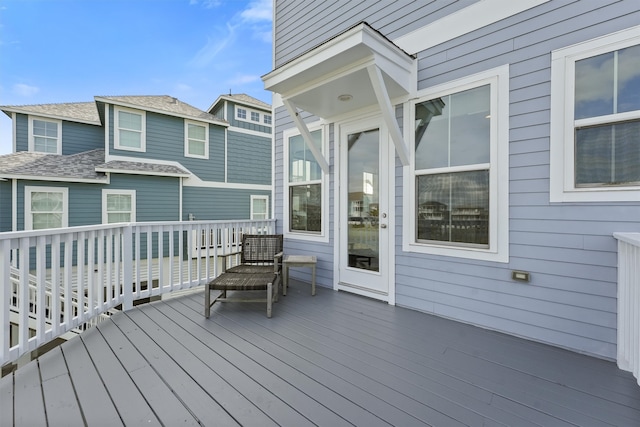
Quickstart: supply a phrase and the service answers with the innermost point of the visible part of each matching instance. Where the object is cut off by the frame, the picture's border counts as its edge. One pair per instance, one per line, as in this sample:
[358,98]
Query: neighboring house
[492,137]
[134,158]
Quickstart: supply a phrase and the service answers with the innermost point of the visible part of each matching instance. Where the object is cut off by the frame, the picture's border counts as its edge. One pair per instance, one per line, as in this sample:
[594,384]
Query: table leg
[313,279]
[285,280]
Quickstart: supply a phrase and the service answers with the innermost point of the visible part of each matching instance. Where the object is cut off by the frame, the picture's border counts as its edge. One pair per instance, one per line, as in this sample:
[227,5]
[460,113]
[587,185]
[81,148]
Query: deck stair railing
[629,302]
[58,281]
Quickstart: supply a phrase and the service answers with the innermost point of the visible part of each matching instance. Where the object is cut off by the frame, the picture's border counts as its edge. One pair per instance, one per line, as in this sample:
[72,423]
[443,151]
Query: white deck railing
[57,280]
[629,302]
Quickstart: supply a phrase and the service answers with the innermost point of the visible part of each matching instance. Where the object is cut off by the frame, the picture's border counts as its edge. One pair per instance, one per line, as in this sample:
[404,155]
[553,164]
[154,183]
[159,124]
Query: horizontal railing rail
[629,302]
[59,280]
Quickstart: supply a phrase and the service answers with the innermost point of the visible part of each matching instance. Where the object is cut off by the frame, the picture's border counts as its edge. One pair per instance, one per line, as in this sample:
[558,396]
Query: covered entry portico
[353,81]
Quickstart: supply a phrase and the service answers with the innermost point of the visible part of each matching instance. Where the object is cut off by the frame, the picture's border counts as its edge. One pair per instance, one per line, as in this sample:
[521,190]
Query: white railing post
[5,300]
[629,302]
[127,267]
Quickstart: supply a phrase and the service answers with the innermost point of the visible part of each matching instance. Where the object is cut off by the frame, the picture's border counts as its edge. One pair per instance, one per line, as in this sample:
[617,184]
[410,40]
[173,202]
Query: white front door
[364,233]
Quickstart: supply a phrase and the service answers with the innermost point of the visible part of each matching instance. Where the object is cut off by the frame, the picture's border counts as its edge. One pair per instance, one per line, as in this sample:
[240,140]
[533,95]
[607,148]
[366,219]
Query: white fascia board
[464,21]
[58,179]
[244,131]
[136,172]
[194,181]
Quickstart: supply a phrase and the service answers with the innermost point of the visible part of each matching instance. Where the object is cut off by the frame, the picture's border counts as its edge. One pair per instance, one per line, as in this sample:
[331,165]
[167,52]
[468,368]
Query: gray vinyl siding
[5,206]
[80,137]
[157,198]
[248,125]
[302,25]
[248,158]
[165,141]
[22,132]
[219,203]
[568,247]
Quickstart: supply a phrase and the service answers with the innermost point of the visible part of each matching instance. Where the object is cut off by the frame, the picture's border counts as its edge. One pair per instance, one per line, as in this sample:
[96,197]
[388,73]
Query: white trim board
[464,21]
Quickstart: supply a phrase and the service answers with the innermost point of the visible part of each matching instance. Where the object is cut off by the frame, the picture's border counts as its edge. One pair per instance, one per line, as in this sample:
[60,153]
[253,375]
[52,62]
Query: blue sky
[55,51]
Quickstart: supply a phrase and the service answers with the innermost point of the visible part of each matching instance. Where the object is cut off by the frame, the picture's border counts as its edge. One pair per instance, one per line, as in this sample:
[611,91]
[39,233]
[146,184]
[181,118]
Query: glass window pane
[608,154]
[118,217]
[453,130]
[130,139]
[470,126]
[196,132]
[197,148]
[46,202]
[305,207]
[454,207]
[130,121]
[302,165]
[629,79]
[594,86]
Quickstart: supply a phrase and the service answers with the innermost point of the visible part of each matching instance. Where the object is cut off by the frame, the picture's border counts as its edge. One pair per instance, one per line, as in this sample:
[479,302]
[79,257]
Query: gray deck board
[59,396]
[333,359]
[93,398]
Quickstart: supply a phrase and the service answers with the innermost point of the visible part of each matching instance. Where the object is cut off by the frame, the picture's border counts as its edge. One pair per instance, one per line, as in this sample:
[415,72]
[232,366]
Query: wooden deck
[334,359]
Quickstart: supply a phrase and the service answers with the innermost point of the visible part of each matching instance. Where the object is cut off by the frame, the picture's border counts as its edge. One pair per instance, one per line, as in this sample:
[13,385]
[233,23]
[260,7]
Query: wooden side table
[299,261]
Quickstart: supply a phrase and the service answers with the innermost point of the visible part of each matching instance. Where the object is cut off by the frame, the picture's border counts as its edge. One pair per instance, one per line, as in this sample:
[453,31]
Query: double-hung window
[255,116]
[45,135]
[595,119]
[305,185]
[241,113]
[459,182]
[196,142]
[259,207]
[267,119]
[46,207]
[130,130]
[118,206]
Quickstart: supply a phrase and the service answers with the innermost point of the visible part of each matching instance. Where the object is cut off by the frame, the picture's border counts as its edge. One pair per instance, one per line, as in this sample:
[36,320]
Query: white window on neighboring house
[595,120]
[130,130]
[306,199]
[45,135]
[259,207]
[458,187]
[196,142]
[267,119]
[241,113]
[118,206]
[255,116]
[46,207]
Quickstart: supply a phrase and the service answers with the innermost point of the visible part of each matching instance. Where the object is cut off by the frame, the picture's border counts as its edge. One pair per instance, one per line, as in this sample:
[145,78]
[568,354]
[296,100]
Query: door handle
[383,225]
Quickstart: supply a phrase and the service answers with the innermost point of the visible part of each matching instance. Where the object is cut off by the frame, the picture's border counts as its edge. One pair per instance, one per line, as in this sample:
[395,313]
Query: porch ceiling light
[345,97]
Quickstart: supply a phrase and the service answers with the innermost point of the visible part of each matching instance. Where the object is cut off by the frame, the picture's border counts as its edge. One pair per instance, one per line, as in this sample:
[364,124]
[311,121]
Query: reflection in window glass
[454,207]
[453,130]
[46,210]
[45,136]
[305,207]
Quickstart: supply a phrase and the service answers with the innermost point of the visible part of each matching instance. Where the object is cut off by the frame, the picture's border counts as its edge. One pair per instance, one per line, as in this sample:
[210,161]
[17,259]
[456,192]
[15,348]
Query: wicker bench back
[260,248]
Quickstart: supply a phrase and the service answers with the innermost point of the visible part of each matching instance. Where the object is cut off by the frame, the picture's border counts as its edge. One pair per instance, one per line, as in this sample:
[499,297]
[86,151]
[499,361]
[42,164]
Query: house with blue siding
[469,159]
[134,158]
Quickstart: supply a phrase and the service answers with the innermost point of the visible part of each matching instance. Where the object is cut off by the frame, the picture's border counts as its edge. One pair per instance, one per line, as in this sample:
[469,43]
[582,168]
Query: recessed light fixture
[345,97]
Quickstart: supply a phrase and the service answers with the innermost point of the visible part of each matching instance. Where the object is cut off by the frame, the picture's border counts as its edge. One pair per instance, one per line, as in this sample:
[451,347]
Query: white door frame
[388,161]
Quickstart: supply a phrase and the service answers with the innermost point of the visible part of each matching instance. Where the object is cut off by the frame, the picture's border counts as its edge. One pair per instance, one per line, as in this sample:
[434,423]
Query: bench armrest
[277,262]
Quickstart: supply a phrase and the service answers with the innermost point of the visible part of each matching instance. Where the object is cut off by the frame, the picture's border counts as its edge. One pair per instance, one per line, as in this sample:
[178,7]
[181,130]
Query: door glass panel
[363,204]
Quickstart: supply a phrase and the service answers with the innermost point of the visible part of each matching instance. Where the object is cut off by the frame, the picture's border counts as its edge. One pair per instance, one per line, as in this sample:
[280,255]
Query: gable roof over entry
[356,69]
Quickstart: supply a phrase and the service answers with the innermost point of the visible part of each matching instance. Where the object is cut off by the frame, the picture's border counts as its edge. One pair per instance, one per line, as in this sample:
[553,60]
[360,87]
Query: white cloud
[214,45]
[259,10]
[25,90]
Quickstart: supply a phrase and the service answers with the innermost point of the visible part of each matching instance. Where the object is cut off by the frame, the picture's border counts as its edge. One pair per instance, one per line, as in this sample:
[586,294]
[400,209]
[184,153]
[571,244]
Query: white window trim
[28,189]
[116,128]
[186,139]
[132,193]
[498,250]
[261,115]
[323,236]
[260,197]
[562,147]
[31,146]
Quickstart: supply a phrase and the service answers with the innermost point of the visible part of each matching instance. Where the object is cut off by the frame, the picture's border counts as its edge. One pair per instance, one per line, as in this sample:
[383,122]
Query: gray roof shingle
[74,111]
[140,167]
[161,103]
[81,166]
[241,98]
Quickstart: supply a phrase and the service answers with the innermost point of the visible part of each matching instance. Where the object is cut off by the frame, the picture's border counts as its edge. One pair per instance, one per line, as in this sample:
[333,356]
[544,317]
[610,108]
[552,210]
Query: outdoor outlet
[521,276]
